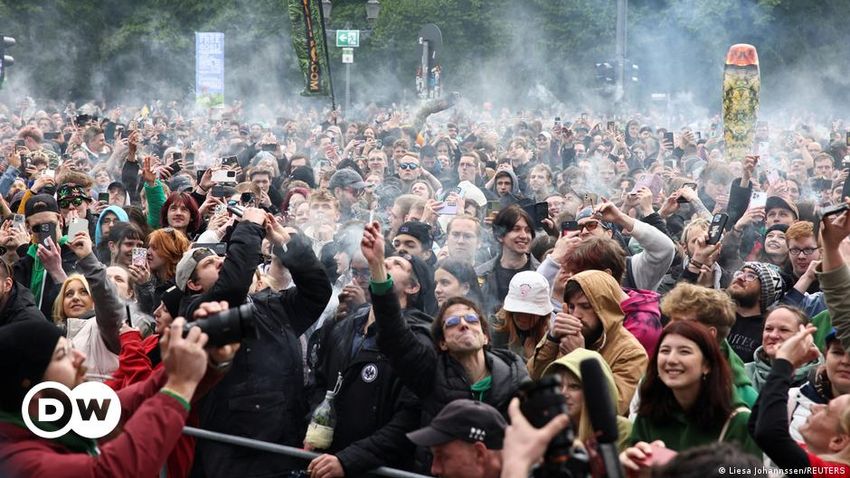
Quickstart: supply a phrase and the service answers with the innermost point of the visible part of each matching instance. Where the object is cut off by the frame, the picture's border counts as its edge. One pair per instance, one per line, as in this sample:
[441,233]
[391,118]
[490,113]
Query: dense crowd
[418,267]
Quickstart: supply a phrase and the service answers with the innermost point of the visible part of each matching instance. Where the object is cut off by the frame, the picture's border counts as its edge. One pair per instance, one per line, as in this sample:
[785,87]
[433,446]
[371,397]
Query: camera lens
[541,401]
[226,327]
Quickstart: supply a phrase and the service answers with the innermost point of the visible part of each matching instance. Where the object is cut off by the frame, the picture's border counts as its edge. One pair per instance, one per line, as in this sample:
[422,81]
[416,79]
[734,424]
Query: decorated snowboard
[741,86]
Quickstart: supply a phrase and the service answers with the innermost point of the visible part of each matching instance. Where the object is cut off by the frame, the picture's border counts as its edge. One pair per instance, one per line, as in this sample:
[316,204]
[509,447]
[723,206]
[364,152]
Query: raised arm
[768,423]
[835,275]
[413,359]
[109,310]
[304,303]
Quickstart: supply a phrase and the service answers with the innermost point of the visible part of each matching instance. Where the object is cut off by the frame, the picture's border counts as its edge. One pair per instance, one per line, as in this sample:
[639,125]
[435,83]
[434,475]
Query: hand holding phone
[77,225]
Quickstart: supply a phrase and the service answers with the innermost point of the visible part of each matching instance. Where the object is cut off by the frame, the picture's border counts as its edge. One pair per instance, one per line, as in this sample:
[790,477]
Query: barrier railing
[285,450]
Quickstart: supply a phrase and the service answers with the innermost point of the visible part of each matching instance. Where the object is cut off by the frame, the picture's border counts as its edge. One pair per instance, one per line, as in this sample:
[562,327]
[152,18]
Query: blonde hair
[713,308]
[59,316]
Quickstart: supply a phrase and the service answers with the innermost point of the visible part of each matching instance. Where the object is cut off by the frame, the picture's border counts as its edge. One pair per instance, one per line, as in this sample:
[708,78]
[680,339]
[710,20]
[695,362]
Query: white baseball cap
[528,293]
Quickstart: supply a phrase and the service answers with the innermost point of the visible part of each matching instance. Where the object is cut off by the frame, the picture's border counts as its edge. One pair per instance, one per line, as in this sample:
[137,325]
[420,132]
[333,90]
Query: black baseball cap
[419,230]
[466,420]
[41,203]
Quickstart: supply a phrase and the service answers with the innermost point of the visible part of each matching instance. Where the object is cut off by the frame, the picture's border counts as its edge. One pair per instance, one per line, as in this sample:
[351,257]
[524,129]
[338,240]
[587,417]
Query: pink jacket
[643,317]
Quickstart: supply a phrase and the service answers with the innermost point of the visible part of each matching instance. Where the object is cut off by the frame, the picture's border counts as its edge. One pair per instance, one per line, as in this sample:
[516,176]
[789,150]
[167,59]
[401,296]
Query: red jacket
[134,365]
[153,425]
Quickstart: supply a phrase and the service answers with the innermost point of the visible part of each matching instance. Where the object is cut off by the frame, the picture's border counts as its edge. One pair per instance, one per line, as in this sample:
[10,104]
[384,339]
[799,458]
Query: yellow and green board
[741,87]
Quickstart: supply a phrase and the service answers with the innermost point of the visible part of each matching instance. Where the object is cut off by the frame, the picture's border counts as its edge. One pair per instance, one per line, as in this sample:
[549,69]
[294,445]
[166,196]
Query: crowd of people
[422,266]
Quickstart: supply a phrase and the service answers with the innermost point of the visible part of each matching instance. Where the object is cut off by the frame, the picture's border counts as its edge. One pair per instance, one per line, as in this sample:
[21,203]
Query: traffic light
[633,73]
[605,73]
[5,60]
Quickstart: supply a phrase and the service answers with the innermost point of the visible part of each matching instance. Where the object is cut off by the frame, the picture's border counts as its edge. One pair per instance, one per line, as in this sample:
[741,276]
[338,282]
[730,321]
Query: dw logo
[91,410]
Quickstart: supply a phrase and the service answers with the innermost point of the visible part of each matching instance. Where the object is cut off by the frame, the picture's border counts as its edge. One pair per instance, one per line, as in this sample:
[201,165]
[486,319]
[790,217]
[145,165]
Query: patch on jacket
[369,373]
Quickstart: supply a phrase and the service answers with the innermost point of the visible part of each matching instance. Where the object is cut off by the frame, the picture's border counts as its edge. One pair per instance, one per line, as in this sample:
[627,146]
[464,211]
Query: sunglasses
[407,166]
[590,226]
[454,320]
[66,203]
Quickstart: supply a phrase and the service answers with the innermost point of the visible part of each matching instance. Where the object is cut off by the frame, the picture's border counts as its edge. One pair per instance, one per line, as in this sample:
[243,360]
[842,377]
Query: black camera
[226,327]
[540,402]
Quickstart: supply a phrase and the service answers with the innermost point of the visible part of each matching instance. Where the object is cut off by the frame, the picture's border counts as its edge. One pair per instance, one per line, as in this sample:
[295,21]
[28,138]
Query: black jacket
[19,307]
[374,410]
[23,275]
[434,376]
[262,396]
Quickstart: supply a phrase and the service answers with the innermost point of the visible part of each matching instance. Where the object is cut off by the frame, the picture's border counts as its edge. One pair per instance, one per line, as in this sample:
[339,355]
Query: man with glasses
[468,167]
[458,364]
[74,202]
[463,236]
[645,269]
[803,251]
[754,288]
[410,169]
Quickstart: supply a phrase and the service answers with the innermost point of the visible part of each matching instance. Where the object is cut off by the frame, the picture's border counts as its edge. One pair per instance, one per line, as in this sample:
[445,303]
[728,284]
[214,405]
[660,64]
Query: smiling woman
[779,325]
[686,395]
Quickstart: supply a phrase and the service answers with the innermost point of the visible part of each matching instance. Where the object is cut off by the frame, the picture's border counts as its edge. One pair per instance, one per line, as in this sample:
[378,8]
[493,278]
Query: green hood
[744,392]
[572,362]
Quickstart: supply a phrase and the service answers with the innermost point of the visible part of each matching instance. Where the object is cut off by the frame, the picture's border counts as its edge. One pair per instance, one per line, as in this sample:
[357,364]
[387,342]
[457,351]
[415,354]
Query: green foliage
[124,49]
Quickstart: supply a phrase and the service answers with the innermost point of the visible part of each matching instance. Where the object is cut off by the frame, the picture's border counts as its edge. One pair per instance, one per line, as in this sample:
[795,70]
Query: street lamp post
[373,9]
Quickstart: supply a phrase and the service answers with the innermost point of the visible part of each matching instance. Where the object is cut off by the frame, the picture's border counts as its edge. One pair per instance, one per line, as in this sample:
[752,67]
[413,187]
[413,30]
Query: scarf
[37,278]
[70,440]
[762,365]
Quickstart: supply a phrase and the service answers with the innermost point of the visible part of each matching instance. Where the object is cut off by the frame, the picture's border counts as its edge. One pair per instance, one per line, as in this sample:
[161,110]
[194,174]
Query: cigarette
[371,216]
[98,376]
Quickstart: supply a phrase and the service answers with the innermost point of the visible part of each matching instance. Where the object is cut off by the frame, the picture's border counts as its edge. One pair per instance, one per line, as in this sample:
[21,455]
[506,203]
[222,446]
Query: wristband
[552,338]
[735,228]
[696,263]
[176,396]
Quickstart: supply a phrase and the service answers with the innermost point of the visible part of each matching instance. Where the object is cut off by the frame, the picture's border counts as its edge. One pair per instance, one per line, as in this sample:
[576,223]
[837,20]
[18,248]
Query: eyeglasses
[66,203]
[360,272]
[806,251]
[745,276]
[454,320]
[406,166]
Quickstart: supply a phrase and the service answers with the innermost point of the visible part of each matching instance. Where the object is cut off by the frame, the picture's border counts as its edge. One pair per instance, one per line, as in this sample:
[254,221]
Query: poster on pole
[310,44]
[209,68]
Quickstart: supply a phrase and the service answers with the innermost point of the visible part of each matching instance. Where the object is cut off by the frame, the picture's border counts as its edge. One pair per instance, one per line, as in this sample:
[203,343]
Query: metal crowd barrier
[285,450]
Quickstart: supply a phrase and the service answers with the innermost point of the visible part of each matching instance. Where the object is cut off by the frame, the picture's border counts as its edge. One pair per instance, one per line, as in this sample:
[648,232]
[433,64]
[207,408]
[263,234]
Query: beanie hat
[772,283]
[28,347]
[776,227]
[171,300]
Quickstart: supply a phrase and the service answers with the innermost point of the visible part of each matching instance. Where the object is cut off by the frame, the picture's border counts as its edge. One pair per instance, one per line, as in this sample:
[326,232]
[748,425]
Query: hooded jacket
[98,229]
[515,189]
[571,362]
[641,309]
[620,349]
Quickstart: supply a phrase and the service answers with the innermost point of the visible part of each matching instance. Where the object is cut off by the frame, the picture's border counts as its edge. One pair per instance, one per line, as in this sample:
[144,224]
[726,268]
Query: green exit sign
[347,38]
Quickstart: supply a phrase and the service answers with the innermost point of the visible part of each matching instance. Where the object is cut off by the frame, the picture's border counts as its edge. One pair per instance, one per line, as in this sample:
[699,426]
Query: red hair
[186,200]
